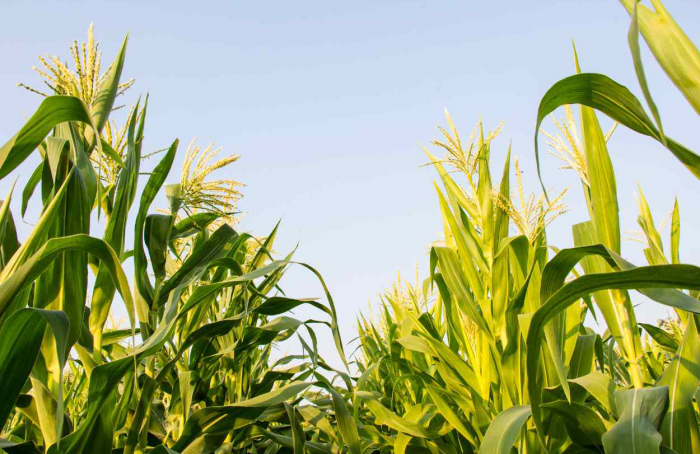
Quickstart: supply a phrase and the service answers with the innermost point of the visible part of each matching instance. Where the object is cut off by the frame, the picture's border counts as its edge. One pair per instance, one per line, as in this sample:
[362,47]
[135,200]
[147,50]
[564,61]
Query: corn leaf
[614,100]
[636,430]
[504,430]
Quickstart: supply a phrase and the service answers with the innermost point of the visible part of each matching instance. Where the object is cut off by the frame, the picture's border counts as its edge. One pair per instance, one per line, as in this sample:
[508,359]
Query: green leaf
[20,341]
[111,153]
[452,271]
[334,315]
[193,224]
[601,387]
[5,216]
[346,423]
[499,270]
[558,268]
[157,233]
[107,92]
[29,188]
[137,426]
[649,278]
[221,420]
[661,337]
[415,344]
[469,251]
[633,39]
[675,234]
[216,246]
[52,111]
[601,176]
[449,414]
[35,239]
[153,185]
[675,52]
[47,411]
[28,447]
[635,432]
[71,278]
[114,336]
[582,360]
[680,426]
[298,436]
[313,415]
[387,417]
[104,288]
[36,264]
[453,189]
[583,424]
[614,100]
[511,358]
[277,305]
[188,381]
[504,430]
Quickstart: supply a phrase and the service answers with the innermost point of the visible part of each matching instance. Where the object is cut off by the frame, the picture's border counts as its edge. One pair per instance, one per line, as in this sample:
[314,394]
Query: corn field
[492,353]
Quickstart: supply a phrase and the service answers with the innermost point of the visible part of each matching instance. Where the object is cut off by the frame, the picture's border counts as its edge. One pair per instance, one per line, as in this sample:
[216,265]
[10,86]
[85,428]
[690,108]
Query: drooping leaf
[616,101]
[53,111]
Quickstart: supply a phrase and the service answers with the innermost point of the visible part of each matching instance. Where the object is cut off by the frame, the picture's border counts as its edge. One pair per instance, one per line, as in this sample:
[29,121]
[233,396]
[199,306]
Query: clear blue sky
[329,102]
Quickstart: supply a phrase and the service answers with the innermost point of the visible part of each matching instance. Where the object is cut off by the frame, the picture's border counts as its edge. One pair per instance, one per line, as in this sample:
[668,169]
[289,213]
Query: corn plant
[459,362]
[194,371]
[453,365]
[491,353]
[501,358]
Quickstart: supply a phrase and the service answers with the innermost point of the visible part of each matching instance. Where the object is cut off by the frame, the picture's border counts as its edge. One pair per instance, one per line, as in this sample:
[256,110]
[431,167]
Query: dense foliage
[489,354]
[194,371]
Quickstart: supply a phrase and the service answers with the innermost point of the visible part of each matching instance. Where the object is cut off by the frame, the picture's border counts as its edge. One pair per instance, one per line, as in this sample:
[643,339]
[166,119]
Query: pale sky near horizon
[328,103]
